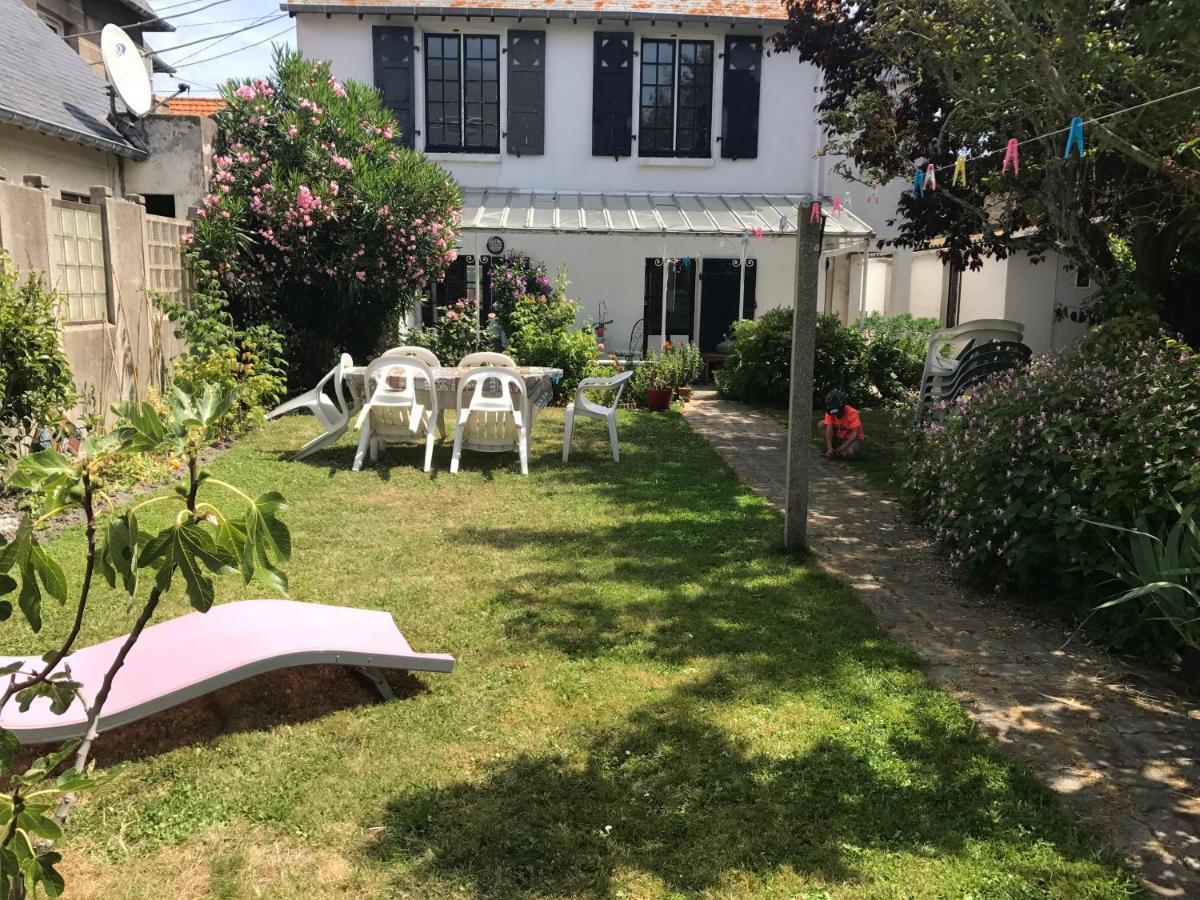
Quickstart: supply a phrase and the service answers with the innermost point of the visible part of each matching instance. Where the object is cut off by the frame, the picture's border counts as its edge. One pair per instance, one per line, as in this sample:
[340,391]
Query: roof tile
[768,10]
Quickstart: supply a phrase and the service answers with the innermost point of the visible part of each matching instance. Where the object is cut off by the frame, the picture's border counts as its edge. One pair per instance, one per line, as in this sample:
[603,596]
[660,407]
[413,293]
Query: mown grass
[651,700]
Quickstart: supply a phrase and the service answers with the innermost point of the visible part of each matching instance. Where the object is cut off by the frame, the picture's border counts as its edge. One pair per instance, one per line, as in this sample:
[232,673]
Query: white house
[618,139]
[1049,296]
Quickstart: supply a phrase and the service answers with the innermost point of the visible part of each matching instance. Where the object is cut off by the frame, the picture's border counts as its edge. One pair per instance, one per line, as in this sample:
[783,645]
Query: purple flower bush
[514,276]
[1014,476]
[318,221]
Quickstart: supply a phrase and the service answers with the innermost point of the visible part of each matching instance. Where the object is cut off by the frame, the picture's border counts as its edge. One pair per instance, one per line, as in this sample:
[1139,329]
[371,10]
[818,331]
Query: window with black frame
[462,93]
[675,115]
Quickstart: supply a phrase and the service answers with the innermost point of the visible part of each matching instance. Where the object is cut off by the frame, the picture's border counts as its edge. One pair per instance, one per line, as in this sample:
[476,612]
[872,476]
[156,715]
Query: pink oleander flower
[360,275]
[342,161]
[245,92]
[336,87]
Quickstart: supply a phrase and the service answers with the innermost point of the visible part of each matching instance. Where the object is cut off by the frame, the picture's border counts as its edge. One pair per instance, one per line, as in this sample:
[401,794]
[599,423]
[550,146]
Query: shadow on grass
[682,571]
[286,697]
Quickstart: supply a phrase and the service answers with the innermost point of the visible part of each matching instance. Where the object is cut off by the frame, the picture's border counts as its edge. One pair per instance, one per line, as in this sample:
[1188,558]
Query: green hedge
[877,360]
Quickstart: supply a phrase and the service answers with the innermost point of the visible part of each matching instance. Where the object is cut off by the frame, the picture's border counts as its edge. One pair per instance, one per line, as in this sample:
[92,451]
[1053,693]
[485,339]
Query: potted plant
[688,365]
[659,387]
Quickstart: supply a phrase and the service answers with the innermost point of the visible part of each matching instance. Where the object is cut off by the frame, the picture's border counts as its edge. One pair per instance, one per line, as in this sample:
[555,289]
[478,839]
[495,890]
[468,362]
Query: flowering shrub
[318,221]
[514,276]
[1016,474]
[456,334]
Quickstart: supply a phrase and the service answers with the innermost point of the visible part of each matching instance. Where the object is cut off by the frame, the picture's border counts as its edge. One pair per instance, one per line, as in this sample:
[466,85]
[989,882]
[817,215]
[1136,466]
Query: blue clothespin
[1075,137]
[745,238]
[783,223]
[687,260]
[919,183]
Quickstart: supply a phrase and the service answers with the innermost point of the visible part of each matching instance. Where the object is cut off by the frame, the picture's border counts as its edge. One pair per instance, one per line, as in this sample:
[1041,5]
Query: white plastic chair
[509,401]
[392,412]
[422,353]
[487,358]
[332,412]
[585,406]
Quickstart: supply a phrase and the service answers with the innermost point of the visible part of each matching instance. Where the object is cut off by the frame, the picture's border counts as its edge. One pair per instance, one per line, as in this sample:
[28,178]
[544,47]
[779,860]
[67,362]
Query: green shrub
[36,388]
[1016,474]
[542,332]
[246,364]
[757,369]
[840,363]
[456,334]
[895,354]
[878,360]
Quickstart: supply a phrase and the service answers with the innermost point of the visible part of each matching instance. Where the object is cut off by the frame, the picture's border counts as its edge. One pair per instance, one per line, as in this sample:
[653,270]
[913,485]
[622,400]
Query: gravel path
[1115,741]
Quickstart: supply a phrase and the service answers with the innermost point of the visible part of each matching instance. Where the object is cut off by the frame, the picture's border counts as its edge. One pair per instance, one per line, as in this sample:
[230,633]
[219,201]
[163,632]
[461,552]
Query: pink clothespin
[758,234]
[873,197]
[814,214]
[837,206]
[1012,156]
[931,177]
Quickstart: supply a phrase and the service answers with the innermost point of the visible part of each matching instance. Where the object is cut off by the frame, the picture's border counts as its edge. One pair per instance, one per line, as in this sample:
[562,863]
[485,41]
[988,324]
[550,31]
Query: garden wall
[101,257]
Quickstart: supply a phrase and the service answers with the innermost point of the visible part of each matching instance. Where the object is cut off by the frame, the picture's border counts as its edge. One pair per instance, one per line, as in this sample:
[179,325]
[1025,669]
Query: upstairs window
[462,93]
[675,109]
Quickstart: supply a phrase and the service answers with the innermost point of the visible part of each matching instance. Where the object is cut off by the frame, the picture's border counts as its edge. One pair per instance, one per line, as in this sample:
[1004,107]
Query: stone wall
[130,351]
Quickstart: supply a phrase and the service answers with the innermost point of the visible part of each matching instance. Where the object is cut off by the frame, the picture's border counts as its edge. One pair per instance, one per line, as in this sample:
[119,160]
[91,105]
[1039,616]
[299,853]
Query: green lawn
[651,700]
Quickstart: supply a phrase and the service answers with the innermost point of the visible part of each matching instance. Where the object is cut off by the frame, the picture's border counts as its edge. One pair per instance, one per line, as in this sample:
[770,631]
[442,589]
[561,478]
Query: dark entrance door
[719,300]
[681,299]
[459,284]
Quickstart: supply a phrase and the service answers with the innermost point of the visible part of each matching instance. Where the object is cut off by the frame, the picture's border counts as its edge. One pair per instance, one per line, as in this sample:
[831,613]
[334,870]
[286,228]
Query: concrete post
[804,327]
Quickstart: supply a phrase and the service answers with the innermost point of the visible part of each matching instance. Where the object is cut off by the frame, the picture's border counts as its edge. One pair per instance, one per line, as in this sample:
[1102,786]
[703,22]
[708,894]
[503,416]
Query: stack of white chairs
[401,403]
[333,411]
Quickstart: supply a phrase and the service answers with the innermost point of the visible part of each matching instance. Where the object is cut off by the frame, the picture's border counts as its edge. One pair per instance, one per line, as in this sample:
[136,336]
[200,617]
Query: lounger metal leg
[375,676]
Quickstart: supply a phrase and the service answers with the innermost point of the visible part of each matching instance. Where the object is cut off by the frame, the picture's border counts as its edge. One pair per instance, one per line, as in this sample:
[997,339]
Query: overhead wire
[159,18]
[262,20]
[239,49]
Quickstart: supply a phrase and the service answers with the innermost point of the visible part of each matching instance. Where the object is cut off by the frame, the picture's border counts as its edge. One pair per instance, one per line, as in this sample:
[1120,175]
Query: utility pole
[804,328]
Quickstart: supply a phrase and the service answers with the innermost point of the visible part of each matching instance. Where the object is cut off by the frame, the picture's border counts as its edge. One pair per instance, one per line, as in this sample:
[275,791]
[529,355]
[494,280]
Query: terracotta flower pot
[658,398]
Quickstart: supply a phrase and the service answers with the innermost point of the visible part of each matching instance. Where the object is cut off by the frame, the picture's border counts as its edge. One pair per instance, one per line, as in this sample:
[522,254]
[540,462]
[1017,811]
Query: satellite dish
[126,71]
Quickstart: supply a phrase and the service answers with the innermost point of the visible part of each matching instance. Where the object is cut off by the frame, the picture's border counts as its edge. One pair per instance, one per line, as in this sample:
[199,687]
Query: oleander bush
[1019,477]
[318,222]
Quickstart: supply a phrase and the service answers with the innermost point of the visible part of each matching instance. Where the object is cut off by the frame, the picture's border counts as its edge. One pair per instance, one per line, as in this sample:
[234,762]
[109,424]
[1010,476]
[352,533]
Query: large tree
[318,222]
[908,82]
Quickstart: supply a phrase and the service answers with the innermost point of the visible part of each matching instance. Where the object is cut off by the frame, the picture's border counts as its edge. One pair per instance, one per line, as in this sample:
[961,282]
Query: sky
[206,26]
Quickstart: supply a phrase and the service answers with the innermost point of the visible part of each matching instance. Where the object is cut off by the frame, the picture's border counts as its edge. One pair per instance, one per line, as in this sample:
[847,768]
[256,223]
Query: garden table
[485,431]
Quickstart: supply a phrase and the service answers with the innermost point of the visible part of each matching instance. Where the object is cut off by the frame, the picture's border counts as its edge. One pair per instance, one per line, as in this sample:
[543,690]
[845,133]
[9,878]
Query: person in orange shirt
[842,427]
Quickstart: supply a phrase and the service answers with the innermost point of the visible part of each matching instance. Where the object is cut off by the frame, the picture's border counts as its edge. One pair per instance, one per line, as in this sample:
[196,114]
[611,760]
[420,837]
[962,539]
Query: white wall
[180,160]
[612,268]
[67,166]
[786,140]
[984,292]
[927,292]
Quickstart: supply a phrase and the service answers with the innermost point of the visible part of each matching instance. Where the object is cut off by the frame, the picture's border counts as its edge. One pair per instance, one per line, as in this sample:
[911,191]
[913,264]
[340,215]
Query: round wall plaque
[495,245]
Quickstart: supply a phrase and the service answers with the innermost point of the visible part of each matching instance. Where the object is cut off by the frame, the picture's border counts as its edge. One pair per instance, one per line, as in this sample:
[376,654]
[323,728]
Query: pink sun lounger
[184,658]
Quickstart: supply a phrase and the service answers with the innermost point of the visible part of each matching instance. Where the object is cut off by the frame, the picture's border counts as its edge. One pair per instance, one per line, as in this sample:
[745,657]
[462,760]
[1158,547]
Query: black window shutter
[739,113]
[526,92]
[612,94]
[393,46]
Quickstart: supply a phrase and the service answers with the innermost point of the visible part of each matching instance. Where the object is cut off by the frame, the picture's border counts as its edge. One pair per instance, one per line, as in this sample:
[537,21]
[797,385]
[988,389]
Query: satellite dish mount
[129,80]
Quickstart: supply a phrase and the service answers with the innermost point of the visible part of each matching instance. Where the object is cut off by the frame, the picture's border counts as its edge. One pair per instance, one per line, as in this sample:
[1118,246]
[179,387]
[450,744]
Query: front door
[681,299]
[722,285]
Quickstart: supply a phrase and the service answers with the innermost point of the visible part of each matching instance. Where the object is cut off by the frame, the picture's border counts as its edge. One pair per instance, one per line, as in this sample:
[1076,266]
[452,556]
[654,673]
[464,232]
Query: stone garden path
[1115,741]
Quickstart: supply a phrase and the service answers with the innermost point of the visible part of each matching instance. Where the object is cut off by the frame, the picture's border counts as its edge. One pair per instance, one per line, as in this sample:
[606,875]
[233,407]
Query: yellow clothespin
[960,170]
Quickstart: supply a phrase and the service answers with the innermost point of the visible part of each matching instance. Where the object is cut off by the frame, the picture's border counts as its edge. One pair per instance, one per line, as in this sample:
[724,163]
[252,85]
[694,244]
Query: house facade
[1049,295]
[656,150]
